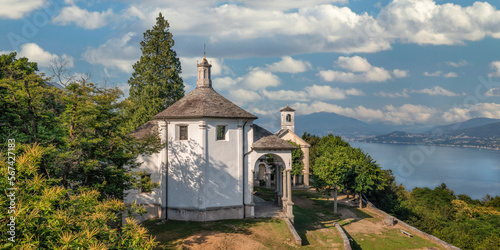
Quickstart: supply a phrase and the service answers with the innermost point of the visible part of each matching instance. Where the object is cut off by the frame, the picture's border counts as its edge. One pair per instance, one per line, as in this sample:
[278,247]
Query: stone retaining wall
[345,239]
[298,240]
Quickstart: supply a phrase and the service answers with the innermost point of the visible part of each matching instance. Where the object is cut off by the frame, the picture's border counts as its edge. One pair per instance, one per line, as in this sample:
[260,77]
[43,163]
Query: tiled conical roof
[204,102]
[287,108]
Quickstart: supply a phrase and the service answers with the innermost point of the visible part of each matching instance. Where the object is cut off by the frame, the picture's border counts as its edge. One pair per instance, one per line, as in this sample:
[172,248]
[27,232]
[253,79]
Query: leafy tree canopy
[297,157]
[48,216]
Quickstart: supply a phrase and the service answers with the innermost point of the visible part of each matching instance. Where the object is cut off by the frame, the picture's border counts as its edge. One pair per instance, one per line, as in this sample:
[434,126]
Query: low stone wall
[298,240]
[413,230]
[345,239]
[209,214]
[152,212]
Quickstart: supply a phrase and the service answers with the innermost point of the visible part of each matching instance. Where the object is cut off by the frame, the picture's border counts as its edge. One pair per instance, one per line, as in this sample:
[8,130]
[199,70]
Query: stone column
[277,183]
[268,177]
[306,166]
[284,188]
[204,167]
[289,205]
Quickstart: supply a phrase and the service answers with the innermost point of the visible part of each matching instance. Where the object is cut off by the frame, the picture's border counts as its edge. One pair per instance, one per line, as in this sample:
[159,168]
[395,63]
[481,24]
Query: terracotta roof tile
[287,108]
[264,139]
[146,129]
[204,102]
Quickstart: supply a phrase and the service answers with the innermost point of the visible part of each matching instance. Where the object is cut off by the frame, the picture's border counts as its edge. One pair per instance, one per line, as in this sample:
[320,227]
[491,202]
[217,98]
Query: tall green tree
[333,162]
[367,175]
[313,140]
[156,82]
[340,166]
[297,157]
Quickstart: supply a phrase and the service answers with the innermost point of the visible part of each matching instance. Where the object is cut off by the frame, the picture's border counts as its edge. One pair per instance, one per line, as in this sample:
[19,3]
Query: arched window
[288,118]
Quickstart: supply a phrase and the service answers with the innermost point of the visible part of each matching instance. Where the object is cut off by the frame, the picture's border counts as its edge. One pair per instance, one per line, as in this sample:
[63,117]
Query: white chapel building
[211,159]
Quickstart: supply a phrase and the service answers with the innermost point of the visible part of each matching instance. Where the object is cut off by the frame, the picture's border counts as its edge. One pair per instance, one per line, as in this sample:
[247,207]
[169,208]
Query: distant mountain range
[485,135]
[477,132]
[475,122]
[323,123]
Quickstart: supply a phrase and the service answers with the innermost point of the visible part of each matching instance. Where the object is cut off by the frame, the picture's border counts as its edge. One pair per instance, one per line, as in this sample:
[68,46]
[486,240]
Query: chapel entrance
[270,172]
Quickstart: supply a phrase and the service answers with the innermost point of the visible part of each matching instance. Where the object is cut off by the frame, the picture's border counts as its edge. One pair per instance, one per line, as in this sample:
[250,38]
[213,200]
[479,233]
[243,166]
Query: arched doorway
[276,164]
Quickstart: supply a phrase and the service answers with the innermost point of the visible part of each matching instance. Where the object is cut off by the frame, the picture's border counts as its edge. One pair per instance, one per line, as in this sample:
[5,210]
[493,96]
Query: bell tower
[288,118]
[204,73]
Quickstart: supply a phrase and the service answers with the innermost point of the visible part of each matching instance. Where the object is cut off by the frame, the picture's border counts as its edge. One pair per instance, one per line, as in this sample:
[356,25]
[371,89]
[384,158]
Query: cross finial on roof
[204,51]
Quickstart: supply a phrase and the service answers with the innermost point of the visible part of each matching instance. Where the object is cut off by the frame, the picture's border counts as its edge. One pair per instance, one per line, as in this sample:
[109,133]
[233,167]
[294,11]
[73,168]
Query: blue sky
[399,62]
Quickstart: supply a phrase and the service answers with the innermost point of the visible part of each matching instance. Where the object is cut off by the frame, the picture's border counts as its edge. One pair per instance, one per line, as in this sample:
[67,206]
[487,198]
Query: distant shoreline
[430,144]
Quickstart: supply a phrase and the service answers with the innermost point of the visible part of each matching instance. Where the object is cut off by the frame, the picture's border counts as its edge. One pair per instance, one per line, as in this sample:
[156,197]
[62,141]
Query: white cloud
[354,64]
[360,71]
[314,92]
[488,110]
[258,79]
[403,93]
[255,79]
[425,22]
[496,67]
[405,114]
[328,28]
[329,93]
[436,90]
[409,114]
[450,75]
[493,92]
[82,17]
[243,95]
[289,65]
[286,95]
[116,53]
[437,73]
[285,4]
[15,9]
[282,28]
[400,73]
[458,114]
[262,112]
[458,64]
[36,54]
[225,82]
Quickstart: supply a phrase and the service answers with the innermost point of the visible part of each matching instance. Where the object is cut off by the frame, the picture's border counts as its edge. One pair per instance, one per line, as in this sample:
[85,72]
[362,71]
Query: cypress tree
[156,83]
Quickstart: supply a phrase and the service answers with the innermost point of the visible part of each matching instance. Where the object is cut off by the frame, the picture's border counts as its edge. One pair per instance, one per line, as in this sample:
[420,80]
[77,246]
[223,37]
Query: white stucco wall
[224,171]
[199,177]
[150,165]
[185,165]
[154,165]
[202,177]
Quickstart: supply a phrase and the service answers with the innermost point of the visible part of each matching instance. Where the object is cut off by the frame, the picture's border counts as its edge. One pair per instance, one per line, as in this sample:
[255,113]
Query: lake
[470,171]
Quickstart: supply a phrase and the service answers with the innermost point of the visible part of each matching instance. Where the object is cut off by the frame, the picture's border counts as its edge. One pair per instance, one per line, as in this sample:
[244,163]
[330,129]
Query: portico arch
[282,172]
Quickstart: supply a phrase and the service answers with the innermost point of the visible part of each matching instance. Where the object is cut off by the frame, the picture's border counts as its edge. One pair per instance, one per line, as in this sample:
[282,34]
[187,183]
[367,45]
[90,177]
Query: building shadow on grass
[174,234]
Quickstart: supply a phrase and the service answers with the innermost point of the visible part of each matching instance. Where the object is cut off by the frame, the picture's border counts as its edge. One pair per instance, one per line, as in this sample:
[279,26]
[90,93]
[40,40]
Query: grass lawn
[314,222]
